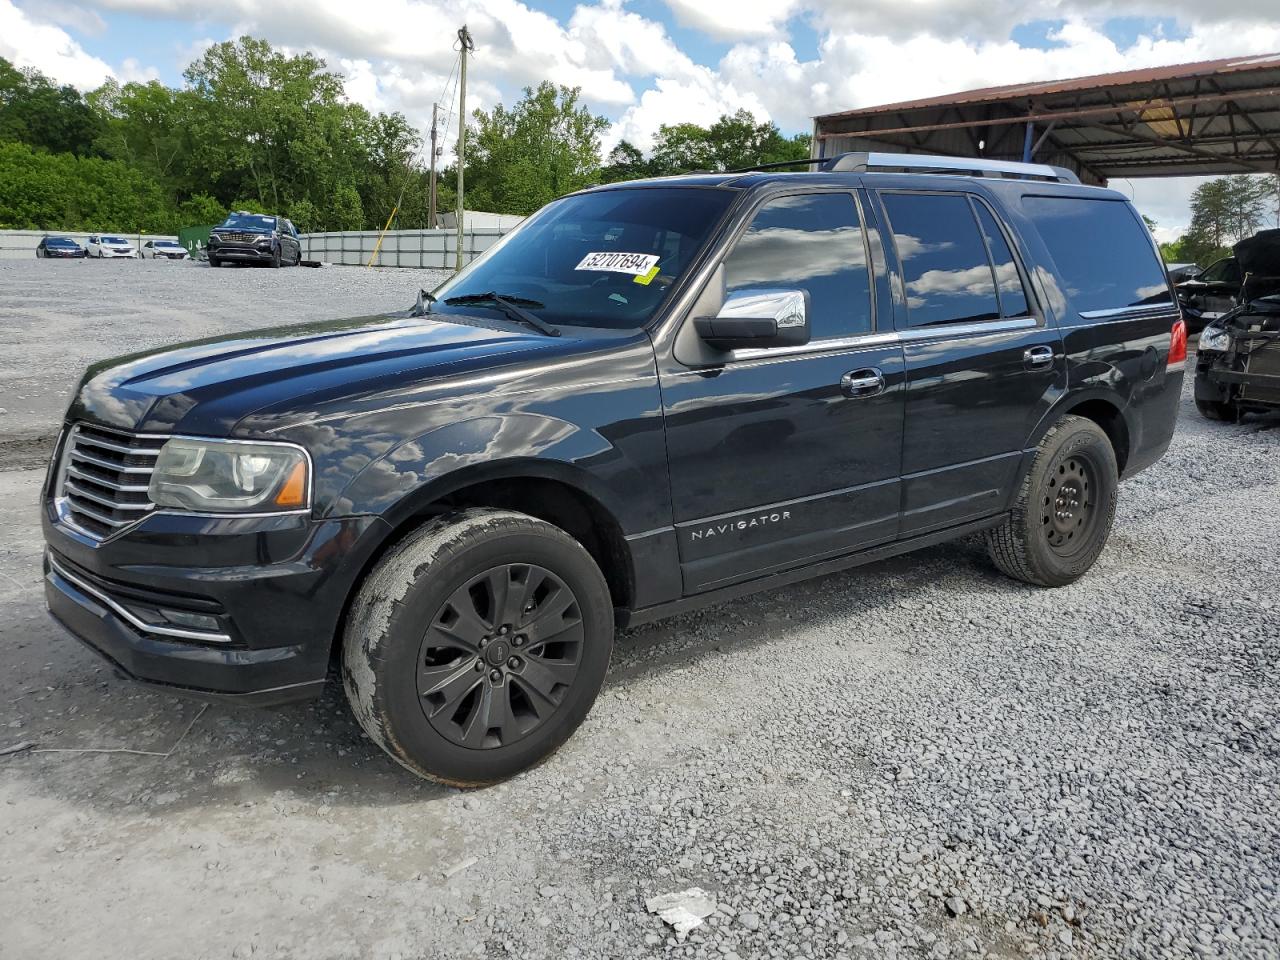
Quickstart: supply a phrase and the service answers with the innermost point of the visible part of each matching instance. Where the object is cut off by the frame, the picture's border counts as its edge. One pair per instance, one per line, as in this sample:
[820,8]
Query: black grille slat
[105,478]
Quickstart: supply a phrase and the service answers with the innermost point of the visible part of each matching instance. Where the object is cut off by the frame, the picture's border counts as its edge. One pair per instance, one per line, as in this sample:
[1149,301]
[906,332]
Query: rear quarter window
[1104,256]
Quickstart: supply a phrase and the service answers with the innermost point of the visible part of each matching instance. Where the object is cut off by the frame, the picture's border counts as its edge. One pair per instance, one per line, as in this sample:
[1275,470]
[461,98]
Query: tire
[1216,410]
[275,259]
[1064,509]
[214,262]
[397,644]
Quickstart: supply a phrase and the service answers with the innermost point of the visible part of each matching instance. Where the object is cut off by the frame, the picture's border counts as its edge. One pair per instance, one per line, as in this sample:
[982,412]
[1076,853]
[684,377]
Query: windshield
[59,242]
[167,243]
[250,221]
[603,259]
[114,240]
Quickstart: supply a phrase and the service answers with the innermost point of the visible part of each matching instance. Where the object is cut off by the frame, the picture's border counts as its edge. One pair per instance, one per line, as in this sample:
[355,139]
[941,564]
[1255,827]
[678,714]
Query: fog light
[193,621]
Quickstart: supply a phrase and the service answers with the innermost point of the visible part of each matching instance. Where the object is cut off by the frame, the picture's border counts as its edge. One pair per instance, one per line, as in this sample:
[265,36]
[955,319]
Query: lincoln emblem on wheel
[647,398]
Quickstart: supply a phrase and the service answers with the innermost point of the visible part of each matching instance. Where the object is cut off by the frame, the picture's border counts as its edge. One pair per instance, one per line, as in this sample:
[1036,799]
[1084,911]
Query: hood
[206,387]
[1260,254]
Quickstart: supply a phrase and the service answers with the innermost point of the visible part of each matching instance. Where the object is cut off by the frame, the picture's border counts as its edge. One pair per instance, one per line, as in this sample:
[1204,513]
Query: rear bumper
[276,590]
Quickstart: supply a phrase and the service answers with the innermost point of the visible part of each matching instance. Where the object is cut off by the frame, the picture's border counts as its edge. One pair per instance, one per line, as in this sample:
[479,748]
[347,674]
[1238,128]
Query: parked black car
[62,248]
[1238,356]
[1210,293]
[649,397]
[254,238]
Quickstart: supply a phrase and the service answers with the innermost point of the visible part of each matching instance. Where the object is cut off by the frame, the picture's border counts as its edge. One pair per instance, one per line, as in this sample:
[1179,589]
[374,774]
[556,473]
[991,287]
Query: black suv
[254,238]
[648,397]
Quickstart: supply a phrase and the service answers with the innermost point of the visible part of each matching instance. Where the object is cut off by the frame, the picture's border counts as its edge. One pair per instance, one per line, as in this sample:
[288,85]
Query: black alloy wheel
[500,655]
[477,645]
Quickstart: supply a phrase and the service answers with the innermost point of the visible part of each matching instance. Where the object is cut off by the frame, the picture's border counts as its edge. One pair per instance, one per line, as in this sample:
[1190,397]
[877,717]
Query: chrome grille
[104,477]
[241,236]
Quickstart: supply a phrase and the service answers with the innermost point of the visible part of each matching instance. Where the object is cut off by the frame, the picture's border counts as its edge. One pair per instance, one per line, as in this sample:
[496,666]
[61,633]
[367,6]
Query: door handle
[1037,358]
[858,384]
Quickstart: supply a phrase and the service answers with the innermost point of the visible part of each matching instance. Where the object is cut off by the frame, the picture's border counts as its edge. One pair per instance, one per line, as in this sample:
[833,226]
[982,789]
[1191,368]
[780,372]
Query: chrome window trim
[1140,310]
[123,612]
[867,341]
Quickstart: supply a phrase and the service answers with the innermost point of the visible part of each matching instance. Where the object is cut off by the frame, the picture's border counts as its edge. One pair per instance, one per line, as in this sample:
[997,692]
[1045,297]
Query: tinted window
[945,268]
[600,259]
[1103,252]
[250,221]
[811,242]
[1013,297]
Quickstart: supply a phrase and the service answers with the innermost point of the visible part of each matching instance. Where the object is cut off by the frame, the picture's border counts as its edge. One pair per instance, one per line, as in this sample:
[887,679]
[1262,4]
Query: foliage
[1224,211]
[731,143]
[545,146]
[37,112]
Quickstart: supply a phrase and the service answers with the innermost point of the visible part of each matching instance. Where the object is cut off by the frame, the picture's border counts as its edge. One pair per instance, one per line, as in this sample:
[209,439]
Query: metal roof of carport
[1213,117]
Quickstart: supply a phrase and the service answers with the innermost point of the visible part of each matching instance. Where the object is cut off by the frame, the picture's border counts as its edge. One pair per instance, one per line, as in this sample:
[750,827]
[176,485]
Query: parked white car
[104,245]
[163,250]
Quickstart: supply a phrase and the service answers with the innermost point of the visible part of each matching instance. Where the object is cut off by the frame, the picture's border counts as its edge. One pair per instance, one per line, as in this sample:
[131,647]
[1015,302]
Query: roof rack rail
[861,162]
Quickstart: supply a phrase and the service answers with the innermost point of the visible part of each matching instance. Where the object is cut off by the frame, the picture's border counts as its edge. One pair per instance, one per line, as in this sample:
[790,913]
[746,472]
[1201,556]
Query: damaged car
[1238,358]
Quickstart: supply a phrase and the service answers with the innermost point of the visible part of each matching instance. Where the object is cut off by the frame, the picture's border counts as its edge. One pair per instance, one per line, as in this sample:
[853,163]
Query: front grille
[1264,361]
[241,236]
[104,477]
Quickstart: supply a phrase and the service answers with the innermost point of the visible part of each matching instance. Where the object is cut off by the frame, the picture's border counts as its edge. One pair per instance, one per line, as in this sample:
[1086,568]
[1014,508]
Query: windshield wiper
[513,307]
[422,306]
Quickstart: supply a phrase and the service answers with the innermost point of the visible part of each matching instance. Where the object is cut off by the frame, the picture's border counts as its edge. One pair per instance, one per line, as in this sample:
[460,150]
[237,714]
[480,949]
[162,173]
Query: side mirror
[757,318]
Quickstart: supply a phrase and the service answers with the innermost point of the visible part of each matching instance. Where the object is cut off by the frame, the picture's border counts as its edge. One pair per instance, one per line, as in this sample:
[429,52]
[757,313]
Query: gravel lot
[919,758]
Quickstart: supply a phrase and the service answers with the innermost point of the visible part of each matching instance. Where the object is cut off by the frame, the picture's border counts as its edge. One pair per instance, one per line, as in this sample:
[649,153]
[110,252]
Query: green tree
[625,162]
[733,142]
[545,146]
[36,111]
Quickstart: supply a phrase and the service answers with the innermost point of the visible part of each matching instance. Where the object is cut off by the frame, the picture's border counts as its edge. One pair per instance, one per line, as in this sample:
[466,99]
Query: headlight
[230,476]
[1214,338]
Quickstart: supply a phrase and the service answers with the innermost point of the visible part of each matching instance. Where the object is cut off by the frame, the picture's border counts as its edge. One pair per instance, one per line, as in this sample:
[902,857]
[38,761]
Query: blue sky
[643,63]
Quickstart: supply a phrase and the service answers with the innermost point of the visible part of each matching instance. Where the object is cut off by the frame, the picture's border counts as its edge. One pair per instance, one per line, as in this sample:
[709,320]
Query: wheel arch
[1104,410]
[551,491]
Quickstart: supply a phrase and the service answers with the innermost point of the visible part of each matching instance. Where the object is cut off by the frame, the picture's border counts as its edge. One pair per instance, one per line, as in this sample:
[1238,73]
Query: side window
[810,242]
[1103,252]
[1013,296]
[945,268]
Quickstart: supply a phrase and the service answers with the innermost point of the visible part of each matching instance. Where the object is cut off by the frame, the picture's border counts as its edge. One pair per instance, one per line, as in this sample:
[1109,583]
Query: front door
[782,457]
[983,365]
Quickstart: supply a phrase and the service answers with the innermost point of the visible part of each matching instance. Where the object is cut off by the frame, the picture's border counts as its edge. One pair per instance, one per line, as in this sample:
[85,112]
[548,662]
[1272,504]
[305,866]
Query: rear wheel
[1215,410]
[477,645]
[1065,507]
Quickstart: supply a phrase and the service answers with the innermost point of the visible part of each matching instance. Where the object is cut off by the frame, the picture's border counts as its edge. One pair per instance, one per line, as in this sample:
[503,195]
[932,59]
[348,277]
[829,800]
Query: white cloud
[734,19]
[48,48]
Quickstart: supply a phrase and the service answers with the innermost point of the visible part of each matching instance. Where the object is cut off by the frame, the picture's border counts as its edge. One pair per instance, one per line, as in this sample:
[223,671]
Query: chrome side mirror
[757,318]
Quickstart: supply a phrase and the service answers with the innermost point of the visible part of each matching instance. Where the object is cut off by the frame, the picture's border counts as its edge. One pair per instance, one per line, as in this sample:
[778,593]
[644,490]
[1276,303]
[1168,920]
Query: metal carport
[1209,118]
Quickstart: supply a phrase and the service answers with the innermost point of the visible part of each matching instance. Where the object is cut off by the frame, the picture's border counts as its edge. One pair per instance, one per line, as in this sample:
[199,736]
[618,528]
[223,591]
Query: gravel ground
[918,758]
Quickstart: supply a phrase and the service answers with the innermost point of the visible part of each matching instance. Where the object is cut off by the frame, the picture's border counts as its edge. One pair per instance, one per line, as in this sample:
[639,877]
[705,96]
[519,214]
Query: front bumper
[276,587]
[242,252]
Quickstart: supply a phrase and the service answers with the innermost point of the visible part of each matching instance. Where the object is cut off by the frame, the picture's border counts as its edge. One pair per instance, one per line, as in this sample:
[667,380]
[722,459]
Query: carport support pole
[1027,141]
[464,39]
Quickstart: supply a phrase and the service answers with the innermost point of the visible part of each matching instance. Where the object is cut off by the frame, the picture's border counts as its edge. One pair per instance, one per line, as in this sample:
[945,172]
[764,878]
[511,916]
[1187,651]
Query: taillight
[1178,346]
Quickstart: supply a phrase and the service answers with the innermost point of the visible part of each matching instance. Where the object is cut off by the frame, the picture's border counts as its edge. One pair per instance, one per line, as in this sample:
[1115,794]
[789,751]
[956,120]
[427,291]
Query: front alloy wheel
[477,645]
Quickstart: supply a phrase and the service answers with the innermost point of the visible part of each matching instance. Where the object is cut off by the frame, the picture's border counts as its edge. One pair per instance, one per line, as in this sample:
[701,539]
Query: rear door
[778,457]
[982,364]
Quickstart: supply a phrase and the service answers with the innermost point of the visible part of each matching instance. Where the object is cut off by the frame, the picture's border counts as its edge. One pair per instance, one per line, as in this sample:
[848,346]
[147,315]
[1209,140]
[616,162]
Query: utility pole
[464,38]
[431,204]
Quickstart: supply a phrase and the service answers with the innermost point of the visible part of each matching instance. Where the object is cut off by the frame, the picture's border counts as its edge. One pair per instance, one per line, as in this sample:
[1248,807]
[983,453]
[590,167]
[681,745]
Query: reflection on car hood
[206,387]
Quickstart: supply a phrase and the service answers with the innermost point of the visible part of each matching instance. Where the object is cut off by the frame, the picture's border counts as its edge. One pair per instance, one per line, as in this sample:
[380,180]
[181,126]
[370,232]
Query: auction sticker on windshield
[633,264]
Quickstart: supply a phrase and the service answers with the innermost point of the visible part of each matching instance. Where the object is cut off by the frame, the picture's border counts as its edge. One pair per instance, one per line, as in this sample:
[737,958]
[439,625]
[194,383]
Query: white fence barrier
[433,249]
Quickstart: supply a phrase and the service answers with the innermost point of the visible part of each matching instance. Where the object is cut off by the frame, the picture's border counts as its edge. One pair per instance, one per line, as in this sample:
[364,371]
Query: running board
[634,618]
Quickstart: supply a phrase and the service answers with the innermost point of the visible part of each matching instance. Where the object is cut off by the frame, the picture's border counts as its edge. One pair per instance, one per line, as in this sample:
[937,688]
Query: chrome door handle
[858,384]
[1037,358]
